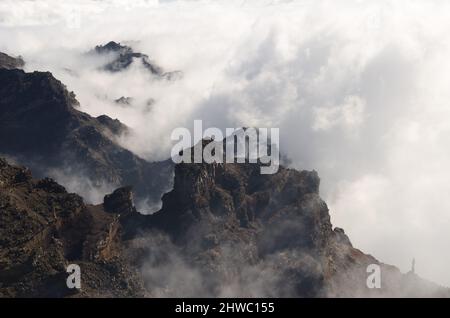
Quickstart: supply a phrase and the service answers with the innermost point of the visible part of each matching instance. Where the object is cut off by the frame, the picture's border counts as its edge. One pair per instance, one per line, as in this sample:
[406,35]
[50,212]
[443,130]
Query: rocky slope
[247,234]
[224,230]
[9,62]
[123,56]
[40,127]
[43,229]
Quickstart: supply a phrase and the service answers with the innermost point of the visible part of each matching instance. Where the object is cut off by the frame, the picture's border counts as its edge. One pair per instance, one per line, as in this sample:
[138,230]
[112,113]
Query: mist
[359,90]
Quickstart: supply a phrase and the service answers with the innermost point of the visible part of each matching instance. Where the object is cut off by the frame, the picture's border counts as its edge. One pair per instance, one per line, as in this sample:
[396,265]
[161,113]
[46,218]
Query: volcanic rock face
[247,234]
[41,128]
[224,230]
[250,234]
[124,56]
[43,229]
[120,201]
[9,62]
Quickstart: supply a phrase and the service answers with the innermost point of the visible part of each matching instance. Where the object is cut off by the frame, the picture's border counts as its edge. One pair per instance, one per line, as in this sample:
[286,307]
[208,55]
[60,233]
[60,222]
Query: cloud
[79,183]
[349,114]
[359,90]
[227,270]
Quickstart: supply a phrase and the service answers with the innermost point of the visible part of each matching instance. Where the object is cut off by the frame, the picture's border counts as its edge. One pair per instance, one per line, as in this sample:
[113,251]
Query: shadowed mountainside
[247,234]
[42,129]
[123,56]
[9,62]
[224,230]
[43,229]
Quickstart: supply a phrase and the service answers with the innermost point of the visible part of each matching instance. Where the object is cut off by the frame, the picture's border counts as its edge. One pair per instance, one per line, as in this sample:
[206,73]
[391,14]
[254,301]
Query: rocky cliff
[43,229]
[42,128]
[247,234]
[123,56]
[10,62]
[224,230]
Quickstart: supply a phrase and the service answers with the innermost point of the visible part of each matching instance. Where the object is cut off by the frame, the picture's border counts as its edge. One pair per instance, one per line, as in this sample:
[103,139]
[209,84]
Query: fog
[359,90]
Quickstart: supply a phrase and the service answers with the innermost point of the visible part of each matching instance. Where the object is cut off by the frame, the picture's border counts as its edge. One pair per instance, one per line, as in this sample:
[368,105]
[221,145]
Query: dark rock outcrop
[124,101]
[224,230]
[247,234]
[124,56]
[9,62]
[120,201]
[114,125]
[41,128]
[43,229]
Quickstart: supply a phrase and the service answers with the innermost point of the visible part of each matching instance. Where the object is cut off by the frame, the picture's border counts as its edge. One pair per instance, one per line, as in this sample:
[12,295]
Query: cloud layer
[359,90]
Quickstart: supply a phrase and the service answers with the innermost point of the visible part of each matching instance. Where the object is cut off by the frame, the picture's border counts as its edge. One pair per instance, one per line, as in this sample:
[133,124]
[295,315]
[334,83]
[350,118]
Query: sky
[359,91]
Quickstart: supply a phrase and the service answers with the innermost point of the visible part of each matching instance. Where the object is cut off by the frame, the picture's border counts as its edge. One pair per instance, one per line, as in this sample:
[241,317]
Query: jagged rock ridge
[224,230]
[9,62]
[41,128]
[273,231]
[124,56]
[43,229]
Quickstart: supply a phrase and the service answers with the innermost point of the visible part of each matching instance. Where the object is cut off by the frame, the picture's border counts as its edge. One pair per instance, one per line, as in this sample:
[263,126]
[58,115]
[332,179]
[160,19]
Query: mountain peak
[9,62]
[125,56]
[113,47]
[120,201]
[41,128]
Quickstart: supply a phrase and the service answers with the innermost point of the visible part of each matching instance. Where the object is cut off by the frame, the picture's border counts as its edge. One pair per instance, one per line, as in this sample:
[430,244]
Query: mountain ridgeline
[10,62]
[223,229]
[42,129]
[124,56]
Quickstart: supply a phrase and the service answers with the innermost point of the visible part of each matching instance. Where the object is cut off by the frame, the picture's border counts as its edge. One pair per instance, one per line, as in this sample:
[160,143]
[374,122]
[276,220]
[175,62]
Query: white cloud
[349,115]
